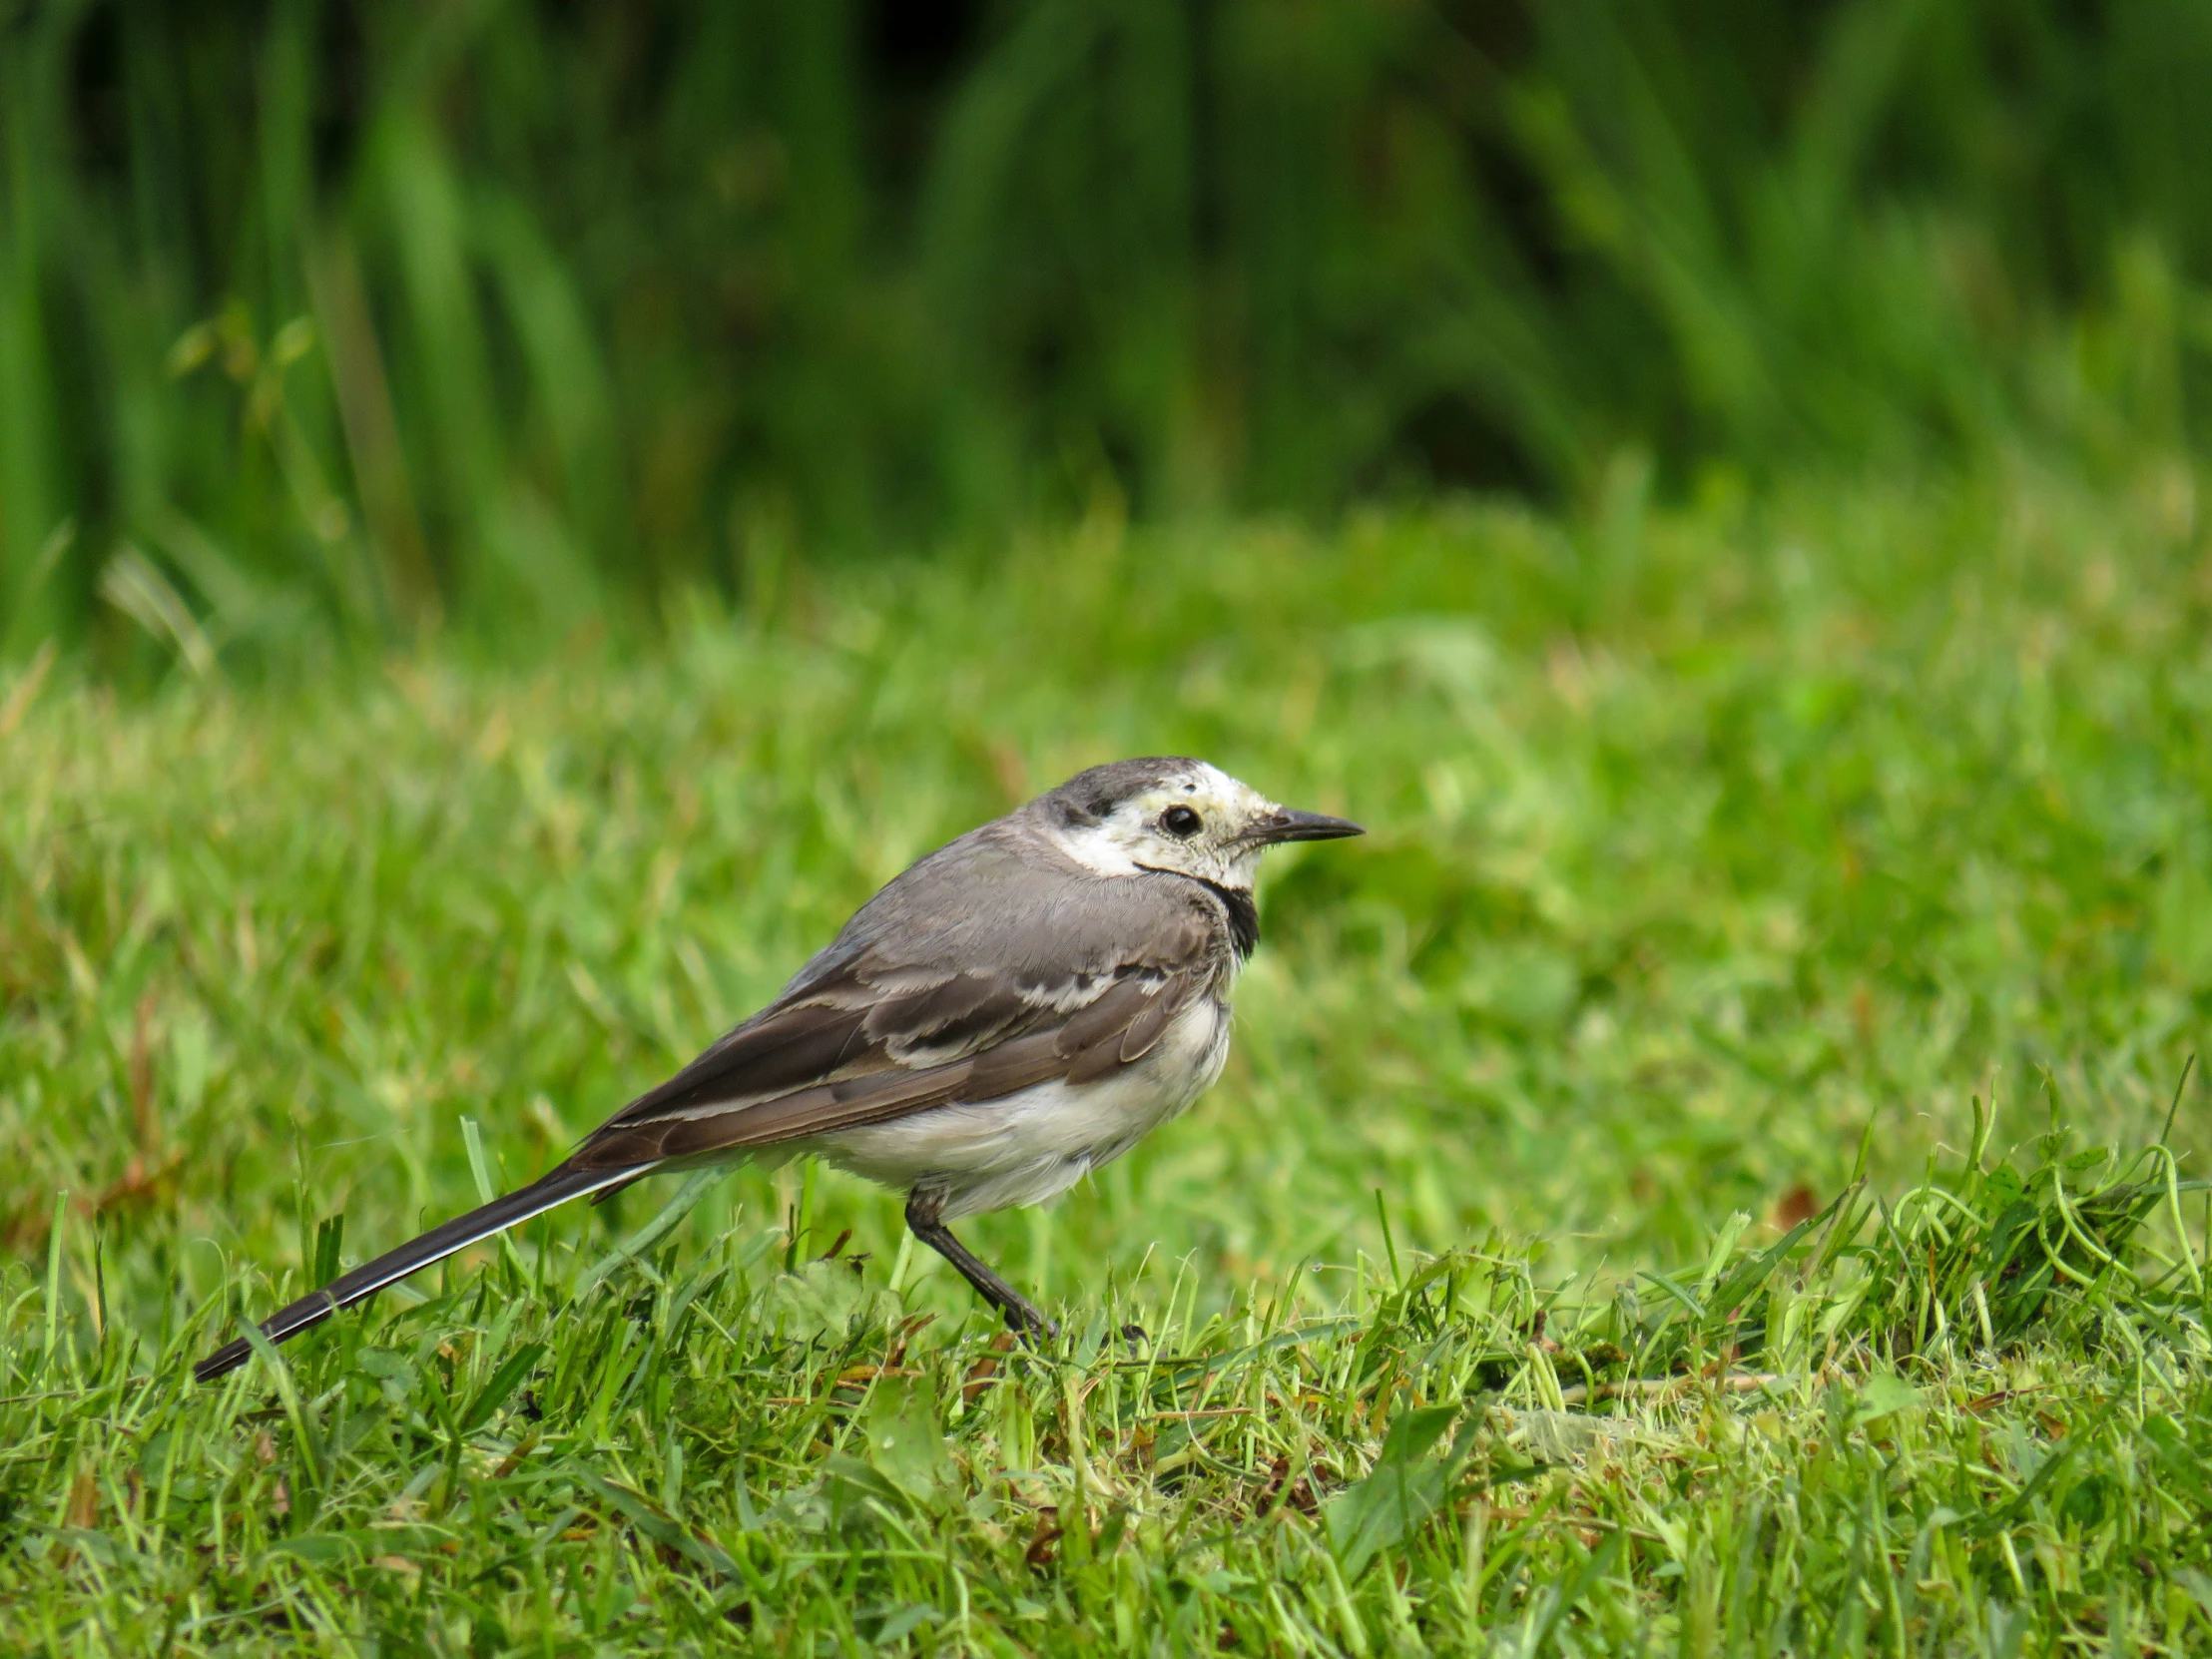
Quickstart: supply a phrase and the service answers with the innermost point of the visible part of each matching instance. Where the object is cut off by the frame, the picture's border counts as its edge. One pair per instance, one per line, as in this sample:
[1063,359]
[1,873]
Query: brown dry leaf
[1045,1544]
[513,1461]
[84,1501]
[1298,1496]
[137,1183]
[145,1112]
[868,1373]
[1800,1202]
[901,1336]
[986,1369]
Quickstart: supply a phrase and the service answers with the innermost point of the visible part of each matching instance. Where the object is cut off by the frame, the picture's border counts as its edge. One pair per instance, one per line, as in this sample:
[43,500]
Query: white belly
[1033,1146]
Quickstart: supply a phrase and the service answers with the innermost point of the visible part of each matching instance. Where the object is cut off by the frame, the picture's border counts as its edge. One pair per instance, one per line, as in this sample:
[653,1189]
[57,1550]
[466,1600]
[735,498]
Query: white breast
[1033,1146]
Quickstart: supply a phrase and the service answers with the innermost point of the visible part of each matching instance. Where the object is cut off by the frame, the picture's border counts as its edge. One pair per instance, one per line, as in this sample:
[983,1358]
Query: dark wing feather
[781,1048]
[848,1027]
[1148,1025]
[1117,1028]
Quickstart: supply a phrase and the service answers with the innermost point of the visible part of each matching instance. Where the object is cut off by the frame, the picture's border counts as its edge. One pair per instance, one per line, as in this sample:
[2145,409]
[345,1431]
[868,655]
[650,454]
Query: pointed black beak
[1288,825]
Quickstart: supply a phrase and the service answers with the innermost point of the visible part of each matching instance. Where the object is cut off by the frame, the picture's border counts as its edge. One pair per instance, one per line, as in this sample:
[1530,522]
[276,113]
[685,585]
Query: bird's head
[1174,814]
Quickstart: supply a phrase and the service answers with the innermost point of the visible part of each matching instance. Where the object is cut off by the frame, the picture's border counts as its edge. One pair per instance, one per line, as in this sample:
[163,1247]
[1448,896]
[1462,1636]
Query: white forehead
[1128,838]
[1201,785]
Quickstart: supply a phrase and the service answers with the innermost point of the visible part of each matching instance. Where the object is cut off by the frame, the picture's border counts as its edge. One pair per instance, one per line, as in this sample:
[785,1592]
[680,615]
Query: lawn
[1658,1197]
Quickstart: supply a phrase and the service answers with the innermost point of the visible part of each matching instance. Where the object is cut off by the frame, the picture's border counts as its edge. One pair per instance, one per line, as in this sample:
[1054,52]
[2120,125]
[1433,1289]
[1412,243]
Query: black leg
[922,1215]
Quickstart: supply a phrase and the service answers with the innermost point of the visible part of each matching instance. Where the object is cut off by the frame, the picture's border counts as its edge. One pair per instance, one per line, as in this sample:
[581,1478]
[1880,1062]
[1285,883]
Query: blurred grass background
[324,324]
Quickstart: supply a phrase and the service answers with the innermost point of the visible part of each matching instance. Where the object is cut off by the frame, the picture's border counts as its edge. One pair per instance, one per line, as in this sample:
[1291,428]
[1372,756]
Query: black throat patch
[1244,915]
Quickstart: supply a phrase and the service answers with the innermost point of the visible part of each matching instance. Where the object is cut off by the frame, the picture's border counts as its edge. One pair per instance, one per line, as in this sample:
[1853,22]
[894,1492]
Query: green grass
[1721,860]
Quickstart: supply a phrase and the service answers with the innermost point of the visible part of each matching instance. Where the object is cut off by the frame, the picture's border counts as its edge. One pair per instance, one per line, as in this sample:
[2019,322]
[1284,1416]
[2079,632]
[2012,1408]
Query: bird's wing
[1113,1029]
[985,970]
[1031,976]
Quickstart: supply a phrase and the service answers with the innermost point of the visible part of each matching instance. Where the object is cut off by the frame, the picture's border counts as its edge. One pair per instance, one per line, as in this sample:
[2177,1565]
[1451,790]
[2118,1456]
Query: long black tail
[434,1246]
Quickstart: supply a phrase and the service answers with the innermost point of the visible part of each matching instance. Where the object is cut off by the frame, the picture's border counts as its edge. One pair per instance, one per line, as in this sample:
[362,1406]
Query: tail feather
[434,1246]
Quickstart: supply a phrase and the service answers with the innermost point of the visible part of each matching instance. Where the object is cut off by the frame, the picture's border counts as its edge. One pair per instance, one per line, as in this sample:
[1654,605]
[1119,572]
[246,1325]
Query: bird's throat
[1243,908]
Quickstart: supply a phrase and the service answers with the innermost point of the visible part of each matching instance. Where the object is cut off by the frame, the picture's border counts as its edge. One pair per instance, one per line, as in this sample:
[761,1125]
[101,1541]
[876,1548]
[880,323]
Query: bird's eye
[1180,821]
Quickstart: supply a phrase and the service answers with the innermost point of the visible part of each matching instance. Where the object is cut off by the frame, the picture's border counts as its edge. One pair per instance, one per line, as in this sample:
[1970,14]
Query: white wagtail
[1016,1009]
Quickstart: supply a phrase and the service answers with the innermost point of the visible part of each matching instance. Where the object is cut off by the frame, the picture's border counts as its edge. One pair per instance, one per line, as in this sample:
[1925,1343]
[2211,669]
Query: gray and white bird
[1018,1008]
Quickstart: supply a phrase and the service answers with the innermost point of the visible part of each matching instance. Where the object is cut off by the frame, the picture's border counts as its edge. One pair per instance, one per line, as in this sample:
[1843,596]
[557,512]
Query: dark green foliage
[322,321]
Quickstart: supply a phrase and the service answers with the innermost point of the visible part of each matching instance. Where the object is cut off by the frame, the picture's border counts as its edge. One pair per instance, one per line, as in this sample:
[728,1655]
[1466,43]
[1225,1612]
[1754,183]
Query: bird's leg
[924,1215]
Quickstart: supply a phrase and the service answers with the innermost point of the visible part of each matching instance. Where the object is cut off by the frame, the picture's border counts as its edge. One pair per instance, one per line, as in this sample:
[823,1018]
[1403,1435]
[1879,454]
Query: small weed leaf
[857,1493]
[642,1513]
[1558,1601]
[904,1442]
[1403,1489]
[1882,1396]
[1563,1436]
[904,1622]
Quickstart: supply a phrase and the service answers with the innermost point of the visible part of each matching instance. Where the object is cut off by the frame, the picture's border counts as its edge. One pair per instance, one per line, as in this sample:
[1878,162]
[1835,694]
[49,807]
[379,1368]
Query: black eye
[1180,820]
